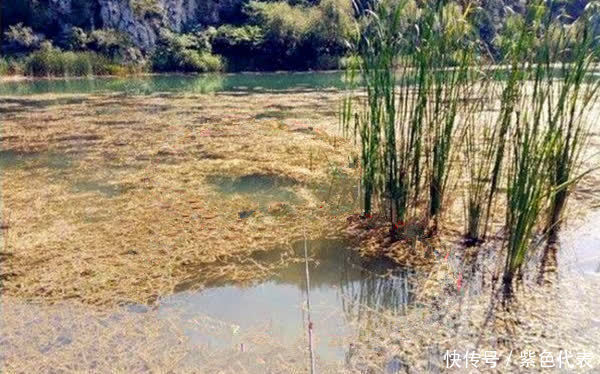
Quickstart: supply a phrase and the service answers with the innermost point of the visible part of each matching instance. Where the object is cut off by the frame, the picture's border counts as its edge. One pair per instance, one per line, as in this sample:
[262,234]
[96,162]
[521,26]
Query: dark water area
[13,160]
[262,189]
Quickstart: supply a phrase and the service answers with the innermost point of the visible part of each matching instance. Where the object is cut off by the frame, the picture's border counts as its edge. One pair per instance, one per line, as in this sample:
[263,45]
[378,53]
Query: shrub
[13,66]
[209,62]
[333,26]
[300,37]
[52,62]
[228,38]
[349,62]
[185,52]
[283,24]
[187,60]
[74,39]
[22,39]
[146,8]
[45,62]
[109,42]
[3,66]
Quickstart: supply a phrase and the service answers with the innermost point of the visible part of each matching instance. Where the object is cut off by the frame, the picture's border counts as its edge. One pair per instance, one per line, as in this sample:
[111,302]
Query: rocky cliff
[142,19]
[120,15]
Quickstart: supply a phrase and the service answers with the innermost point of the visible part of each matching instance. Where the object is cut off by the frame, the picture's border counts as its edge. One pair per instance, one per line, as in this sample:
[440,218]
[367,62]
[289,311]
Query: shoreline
[21,78]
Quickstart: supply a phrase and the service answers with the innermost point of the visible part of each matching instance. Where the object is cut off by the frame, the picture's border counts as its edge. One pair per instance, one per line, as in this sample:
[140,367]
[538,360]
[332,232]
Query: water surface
[173,83]
[344,290]
[243,83]
[580,247]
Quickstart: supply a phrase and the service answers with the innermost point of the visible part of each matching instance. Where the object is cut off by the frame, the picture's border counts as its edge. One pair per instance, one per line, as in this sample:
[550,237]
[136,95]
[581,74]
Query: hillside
[202,35]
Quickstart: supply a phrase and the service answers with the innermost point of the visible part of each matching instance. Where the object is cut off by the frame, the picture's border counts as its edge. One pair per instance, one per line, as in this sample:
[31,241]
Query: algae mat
[113,199]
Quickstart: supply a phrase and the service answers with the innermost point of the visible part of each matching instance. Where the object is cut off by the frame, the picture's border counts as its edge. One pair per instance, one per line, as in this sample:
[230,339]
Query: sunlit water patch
[344,289]
[257,320]
[580,248]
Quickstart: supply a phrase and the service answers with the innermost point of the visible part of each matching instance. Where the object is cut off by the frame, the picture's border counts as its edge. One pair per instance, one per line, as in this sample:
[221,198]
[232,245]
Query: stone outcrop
[119,15]
[142,19]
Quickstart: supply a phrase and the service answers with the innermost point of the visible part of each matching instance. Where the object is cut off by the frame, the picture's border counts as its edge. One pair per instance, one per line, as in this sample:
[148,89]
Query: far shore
[19,78]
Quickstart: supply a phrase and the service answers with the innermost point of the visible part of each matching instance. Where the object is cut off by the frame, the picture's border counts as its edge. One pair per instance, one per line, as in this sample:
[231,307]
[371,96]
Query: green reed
[549,134]
[486,161]
[378,50]
[414,65]
[425,93]
[572,96]
[449,52]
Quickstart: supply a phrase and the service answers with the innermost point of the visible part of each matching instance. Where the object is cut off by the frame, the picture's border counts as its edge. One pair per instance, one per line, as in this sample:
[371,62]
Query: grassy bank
[56,63]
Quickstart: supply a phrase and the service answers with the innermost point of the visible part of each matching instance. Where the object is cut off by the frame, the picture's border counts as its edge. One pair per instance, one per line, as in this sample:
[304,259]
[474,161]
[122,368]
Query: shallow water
[343,290]
[262,189]
[263,318]
[580,251]
[106,190]
[11,159]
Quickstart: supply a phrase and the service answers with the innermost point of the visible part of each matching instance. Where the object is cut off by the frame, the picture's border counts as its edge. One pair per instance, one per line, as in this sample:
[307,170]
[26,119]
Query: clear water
[343,290]
[11,159]
[143,85]
[580,248]
[243,83]
[261,189]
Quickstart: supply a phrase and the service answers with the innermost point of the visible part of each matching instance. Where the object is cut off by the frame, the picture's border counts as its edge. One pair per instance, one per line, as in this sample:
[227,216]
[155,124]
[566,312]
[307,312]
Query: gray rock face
[181,14]
[119,15]
[62,6]
[142,19]
[177,15]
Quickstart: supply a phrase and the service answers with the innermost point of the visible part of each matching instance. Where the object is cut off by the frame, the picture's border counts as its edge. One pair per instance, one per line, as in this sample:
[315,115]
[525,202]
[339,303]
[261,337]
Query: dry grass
[132,210]
[148,215]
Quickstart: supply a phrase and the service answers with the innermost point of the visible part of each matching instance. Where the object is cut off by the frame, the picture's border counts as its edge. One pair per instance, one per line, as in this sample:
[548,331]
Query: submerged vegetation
[428,80]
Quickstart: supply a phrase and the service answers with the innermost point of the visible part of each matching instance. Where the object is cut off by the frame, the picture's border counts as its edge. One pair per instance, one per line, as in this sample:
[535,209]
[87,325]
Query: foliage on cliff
[246,34]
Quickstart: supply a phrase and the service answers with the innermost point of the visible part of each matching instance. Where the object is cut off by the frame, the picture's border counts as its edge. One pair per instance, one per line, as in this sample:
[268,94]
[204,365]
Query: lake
[168,228]
[206,83]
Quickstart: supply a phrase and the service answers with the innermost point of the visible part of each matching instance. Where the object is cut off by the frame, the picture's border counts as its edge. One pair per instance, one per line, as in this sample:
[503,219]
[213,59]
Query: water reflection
[262,189]
[344,289]
[242,83]
[580,248]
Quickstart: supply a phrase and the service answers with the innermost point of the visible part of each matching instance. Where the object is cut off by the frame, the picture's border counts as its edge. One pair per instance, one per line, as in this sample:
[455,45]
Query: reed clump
[52,62]
[549,134]
[416,65]
[428,85]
